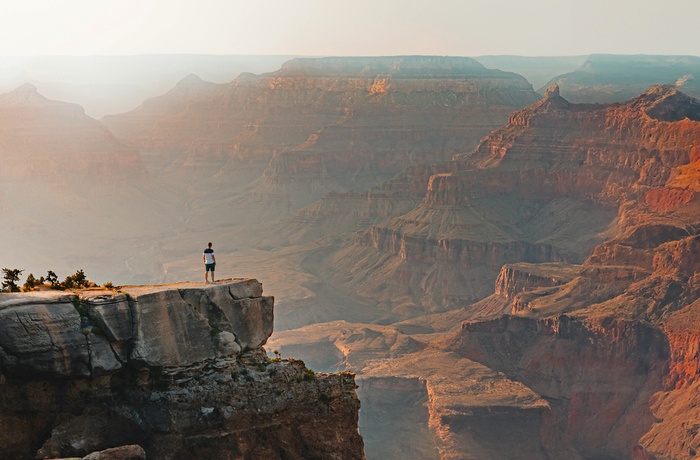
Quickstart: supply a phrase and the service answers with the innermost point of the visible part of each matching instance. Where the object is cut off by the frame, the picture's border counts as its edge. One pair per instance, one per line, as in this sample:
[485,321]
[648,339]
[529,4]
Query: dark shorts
[209,267]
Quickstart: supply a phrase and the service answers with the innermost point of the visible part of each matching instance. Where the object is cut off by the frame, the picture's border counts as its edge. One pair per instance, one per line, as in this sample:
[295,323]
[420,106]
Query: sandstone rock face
[469,406]
[149,326]
[176,369]
[133,452]
[597,376]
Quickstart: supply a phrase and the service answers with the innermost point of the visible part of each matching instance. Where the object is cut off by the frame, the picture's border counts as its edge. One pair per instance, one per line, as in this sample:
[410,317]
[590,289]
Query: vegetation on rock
[78,280]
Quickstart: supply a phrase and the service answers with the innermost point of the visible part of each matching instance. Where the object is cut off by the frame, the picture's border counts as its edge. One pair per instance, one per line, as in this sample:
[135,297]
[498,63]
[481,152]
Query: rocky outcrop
[442,405]
[519,283]
[100,331]
[469,407]
[177,369]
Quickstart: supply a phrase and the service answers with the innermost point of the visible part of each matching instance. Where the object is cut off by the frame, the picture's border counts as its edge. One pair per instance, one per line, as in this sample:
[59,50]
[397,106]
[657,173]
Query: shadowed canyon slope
[590,329]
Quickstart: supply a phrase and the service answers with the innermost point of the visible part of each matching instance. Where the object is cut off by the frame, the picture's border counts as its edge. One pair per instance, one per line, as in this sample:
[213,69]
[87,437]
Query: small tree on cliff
[30,283]
[77,280]
[11,277]
[52,279]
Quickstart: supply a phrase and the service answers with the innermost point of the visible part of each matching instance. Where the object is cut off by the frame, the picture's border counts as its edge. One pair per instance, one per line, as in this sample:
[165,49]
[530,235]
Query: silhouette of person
[209,263]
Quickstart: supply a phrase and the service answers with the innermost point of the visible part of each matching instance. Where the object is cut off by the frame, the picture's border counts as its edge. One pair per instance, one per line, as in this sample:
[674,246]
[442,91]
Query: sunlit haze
[362,27]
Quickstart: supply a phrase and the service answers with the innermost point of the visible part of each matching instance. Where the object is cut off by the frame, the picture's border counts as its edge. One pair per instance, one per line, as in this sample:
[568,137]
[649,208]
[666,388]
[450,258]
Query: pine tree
[30,283]
[52,279]
[11,276]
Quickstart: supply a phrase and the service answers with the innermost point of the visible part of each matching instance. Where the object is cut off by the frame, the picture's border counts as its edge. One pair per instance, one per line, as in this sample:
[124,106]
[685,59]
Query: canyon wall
[177,369]
[546,187]
[592,339]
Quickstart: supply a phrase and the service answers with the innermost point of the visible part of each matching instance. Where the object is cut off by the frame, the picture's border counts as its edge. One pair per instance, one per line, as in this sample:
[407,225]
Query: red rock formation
[597,375]
[600,157]
[612,345]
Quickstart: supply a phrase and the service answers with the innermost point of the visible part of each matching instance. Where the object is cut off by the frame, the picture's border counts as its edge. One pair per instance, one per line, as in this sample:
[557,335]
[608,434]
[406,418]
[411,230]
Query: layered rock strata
[177,369]
[597,376]
[609,343]
[544,188]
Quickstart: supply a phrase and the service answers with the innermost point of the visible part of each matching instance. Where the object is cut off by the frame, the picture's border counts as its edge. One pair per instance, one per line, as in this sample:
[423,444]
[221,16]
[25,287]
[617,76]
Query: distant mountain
[69,190]
[615,78]
[113,84]
[539,70]
[43,138]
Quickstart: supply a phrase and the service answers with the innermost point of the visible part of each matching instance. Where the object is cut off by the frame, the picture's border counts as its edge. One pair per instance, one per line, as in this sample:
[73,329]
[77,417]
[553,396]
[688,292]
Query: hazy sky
[352,27]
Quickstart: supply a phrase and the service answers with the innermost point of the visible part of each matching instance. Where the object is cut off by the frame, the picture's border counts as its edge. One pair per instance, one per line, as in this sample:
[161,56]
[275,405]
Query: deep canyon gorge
[501,273]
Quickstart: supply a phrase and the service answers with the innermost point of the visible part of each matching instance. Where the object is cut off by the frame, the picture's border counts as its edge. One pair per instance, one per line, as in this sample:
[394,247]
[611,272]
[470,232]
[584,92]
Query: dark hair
[209,244]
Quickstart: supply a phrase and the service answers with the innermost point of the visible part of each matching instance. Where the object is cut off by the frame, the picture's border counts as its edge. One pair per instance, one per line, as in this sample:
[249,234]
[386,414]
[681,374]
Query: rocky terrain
[588,337]
[178,370]
[542,282]
[230,160]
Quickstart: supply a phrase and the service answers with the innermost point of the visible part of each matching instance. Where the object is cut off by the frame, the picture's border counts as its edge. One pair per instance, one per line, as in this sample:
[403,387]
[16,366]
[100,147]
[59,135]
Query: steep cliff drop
[176,369]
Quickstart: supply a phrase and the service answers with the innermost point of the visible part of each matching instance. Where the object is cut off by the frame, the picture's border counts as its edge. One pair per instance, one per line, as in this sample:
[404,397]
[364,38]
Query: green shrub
[309,375]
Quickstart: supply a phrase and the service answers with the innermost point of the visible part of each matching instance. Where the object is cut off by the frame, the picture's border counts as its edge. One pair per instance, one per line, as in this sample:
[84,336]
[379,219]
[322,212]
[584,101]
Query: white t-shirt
[209,256]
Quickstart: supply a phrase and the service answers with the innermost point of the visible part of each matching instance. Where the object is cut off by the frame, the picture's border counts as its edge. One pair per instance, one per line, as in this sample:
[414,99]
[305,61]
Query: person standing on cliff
[209,263]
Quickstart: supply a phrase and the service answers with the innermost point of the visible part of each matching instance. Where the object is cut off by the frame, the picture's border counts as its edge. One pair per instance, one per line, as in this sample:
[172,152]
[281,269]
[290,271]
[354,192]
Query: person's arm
[204,258]
[213,257]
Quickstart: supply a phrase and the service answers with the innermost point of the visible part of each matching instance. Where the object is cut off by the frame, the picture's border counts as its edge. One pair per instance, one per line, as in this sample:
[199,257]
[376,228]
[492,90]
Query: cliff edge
[178,369]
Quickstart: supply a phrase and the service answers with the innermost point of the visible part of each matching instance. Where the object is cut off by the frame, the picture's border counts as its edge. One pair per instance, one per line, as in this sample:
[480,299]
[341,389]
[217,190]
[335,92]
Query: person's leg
[213,268]
[206,275]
